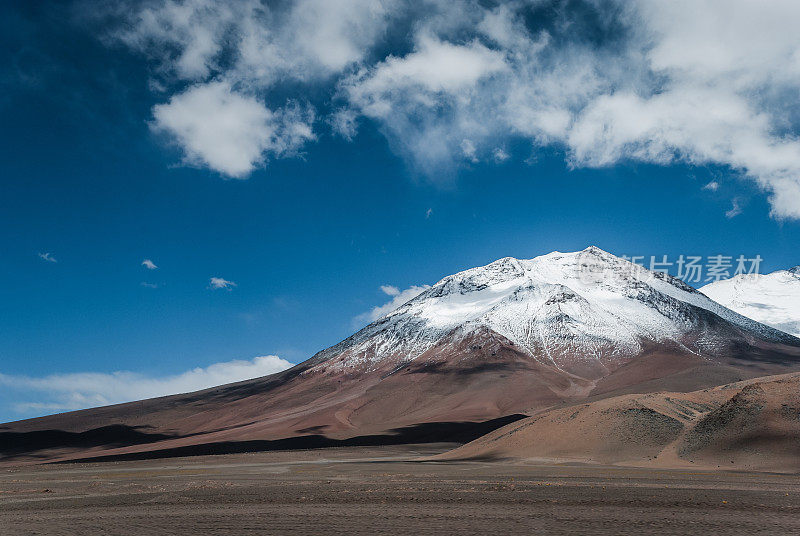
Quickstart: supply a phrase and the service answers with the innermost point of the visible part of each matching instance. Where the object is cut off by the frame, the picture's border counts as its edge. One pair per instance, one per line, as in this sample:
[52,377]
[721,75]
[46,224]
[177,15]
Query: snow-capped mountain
[574,311]
[512,337]
[772,299]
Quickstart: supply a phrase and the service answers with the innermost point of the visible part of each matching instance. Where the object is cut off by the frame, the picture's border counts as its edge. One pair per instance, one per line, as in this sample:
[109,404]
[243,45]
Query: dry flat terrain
[385,490]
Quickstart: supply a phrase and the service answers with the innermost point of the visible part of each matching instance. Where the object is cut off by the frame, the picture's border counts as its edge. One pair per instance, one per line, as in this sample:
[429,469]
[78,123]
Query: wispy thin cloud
[344,123]
[735,209]
[145,284]
[712,186]
[150,265]
[216,283]
[47,257]
[500,155]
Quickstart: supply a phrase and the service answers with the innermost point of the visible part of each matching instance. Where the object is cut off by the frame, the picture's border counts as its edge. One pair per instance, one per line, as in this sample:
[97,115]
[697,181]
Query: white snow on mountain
[587,305]
[772,299]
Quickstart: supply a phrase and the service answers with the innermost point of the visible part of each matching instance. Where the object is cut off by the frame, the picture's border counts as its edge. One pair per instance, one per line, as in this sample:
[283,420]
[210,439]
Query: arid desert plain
[387,490]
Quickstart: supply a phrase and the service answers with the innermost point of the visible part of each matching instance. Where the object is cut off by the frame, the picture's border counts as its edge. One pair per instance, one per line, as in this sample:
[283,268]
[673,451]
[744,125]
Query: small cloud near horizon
[63,392]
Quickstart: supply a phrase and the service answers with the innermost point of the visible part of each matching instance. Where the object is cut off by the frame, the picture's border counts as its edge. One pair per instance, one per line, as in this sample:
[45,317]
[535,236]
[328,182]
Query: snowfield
[772,299]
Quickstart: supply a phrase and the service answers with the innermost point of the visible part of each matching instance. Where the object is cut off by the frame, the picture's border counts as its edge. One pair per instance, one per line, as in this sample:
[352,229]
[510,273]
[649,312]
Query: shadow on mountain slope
[27,444]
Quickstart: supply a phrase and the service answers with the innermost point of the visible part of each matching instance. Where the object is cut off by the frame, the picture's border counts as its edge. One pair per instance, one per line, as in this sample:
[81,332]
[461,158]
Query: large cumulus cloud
[450,83]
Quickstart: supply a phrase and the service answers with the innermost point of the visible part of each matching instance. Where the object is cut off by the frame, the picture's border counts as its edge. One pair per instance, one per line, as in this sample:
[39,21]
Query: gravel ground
[383,491]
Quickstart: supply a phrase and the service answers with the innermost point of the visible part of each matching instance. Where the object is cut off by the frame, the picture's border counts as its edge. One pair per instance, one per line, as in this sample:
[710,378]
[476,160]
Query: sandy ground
[385,491]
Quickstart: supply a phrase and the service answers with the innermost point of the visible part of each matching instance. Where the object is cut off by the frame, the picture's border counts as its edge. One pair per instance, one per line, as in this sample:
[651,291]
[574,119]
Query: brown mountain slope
[751,425]
[485,379]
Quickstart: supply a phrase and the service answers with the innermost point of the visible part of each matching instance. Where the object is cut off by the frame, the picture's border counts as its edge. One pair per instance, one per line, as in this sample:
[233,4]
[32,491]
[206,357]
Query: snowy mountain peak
[559,308]
[592,265]
[773,299]
[602,254]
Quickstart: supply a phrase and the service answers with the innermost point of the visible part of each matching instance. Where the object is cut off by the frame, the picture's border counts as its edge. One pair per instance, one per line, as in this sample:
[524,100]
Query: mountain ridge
[499,294]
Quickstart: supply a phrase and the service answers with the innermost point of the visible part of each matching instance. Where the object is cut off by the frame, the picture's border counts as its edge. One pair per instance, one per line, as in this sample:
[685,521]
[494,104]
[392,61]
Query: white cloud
[186,36]
[47,257]
[399,297]
[60,392]
[407,94]
[694,40]
[150,265]
[233,51]
[447,83]
[681,84]
[434,66]
[215,283]
[302,39]
[332,35]
[230,132]
[712,186]
[145,284]
[697,125]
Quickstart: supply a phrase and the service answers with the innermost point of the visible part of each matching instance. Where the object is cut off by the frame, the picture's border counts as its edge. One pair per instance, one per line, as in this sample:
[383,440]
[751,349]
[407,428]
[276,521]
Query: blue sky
[390,146]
